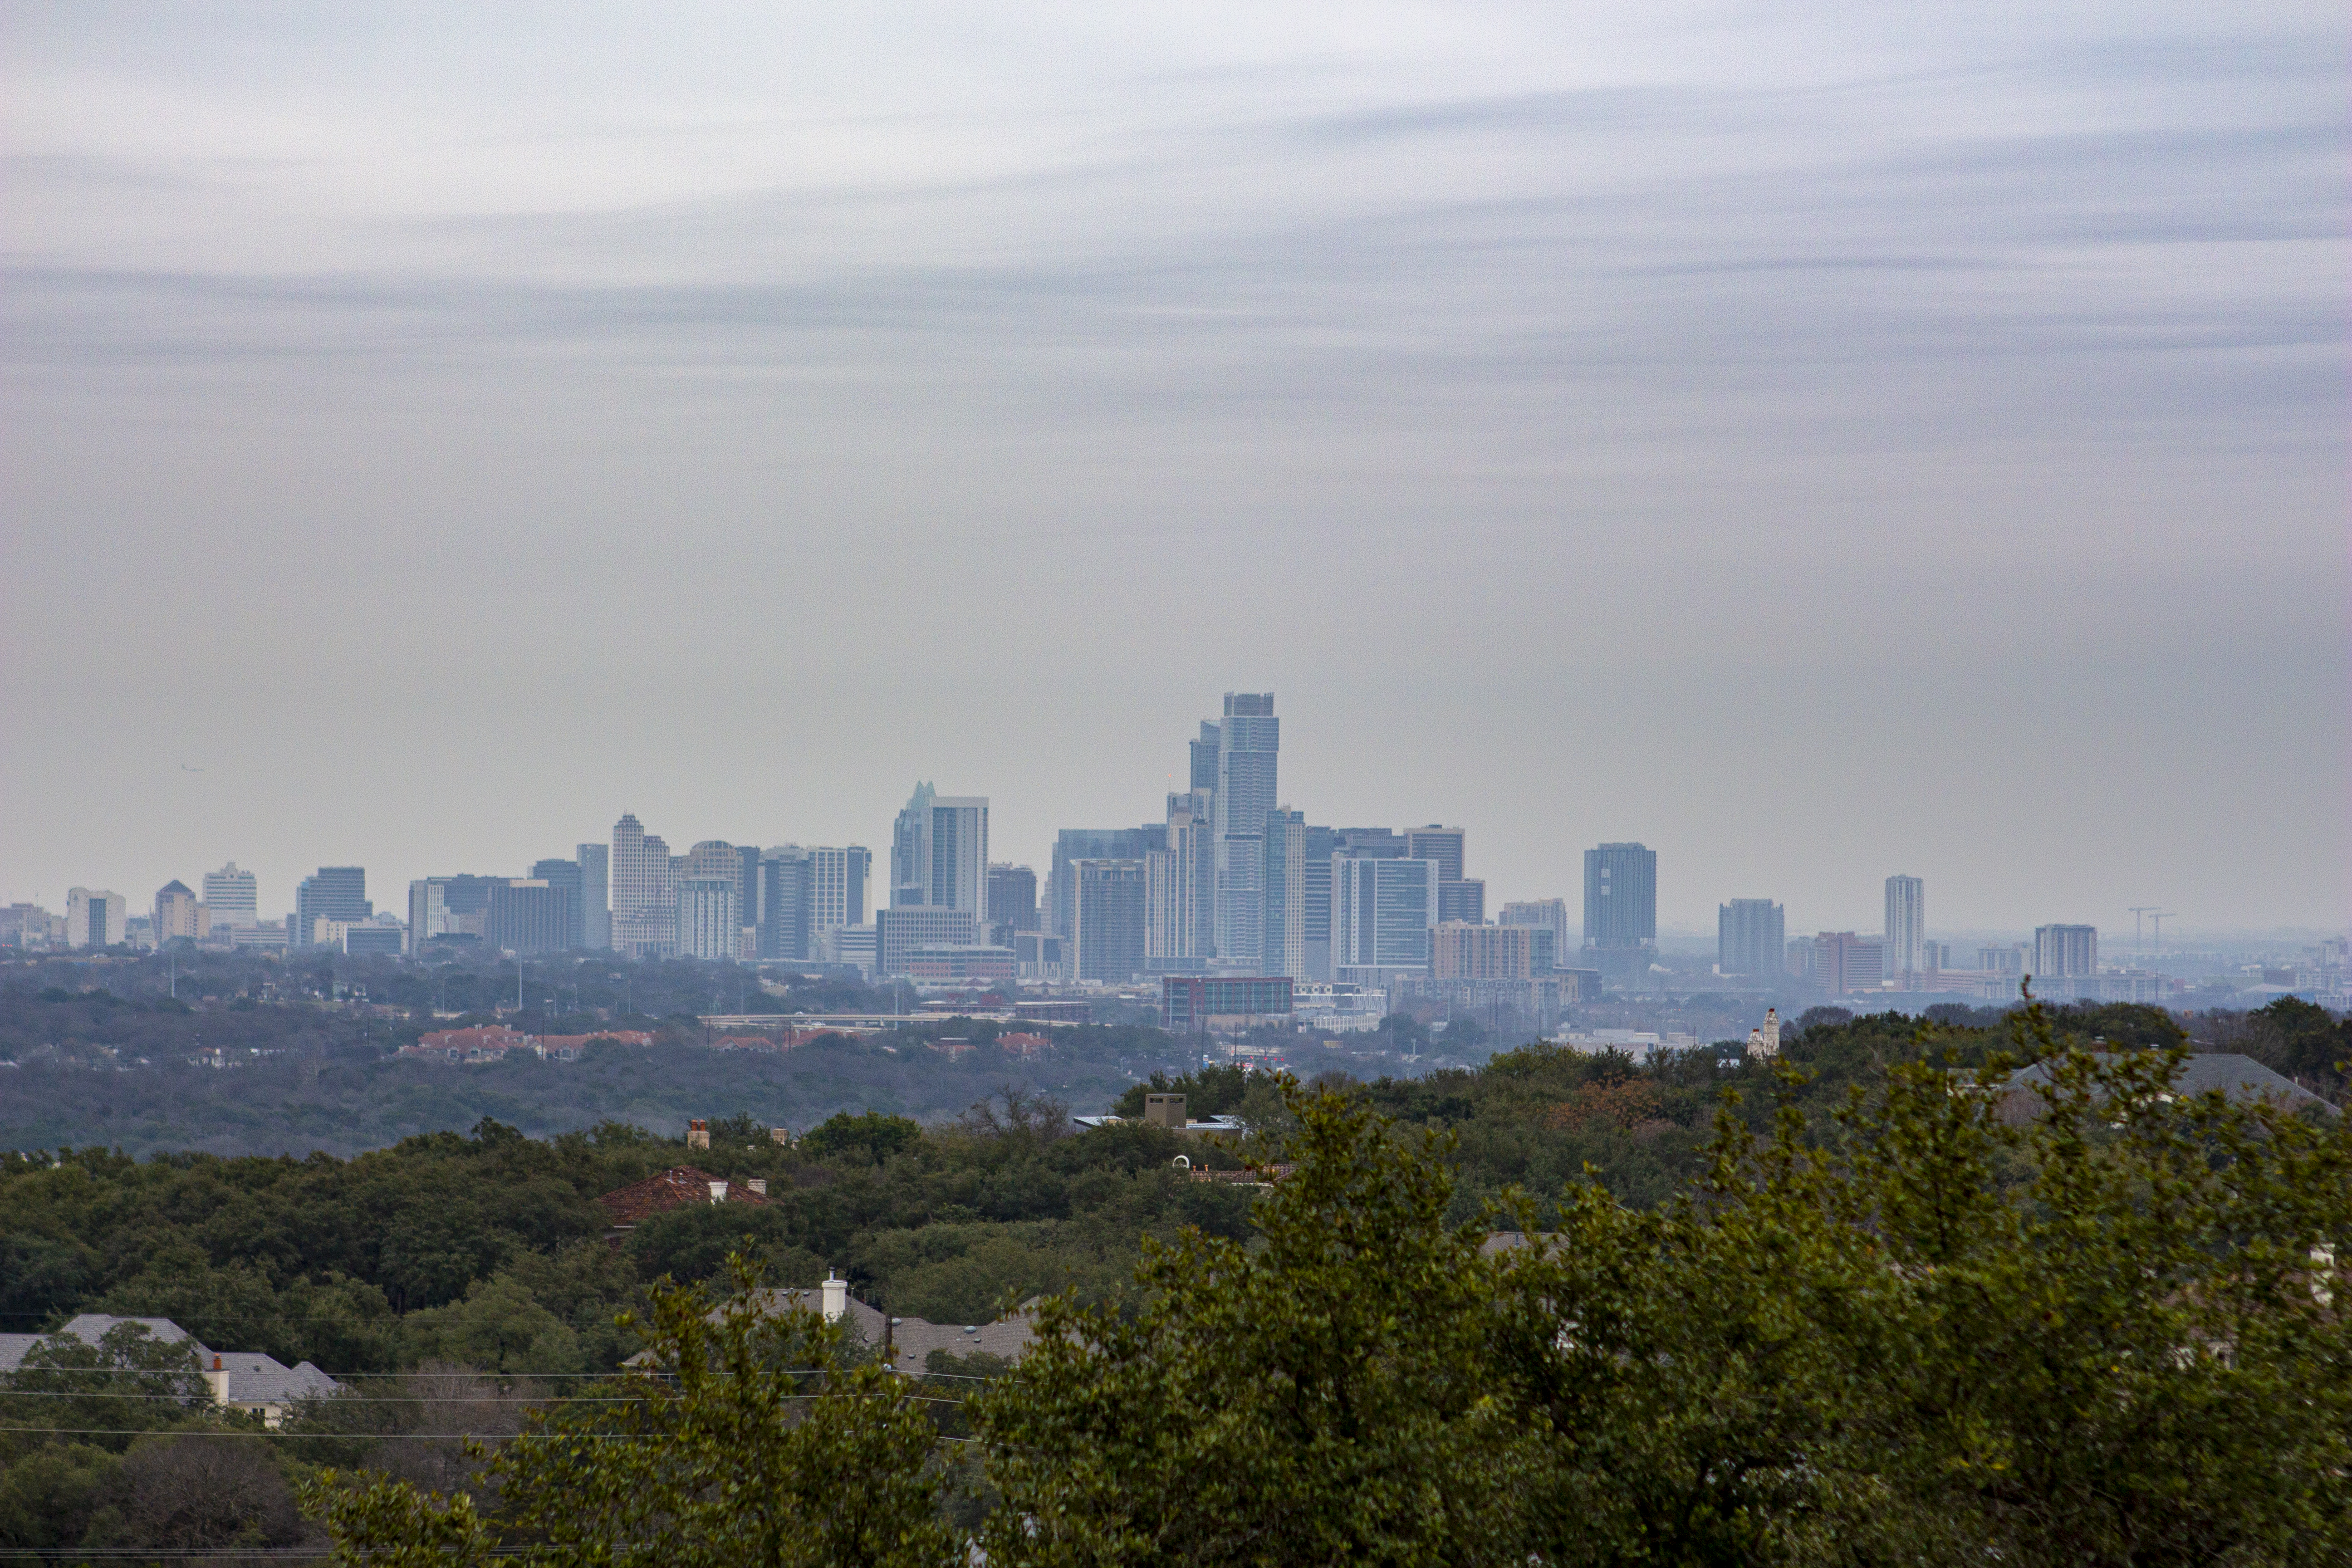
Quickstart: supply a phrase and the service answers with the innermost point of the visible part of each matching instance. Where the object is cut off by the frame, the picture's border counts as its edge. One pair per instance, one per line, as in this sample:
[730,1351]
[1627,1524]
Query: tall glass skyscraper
[938,854]
[1907,924]
[1249,742]
[1751,938]
[1620,897]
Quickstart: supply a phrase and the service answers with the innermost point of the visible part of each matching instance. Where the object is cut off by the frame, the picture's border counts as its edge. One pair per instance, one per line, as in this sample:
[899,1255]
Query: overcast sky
[1817,440]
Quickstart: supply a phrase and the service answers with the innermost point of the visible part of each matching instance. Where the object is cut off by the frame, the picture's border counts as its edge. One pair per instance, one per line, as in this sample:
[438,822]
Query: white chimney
[835,1297]
[718,1192]
[218,1377]
[757,1185]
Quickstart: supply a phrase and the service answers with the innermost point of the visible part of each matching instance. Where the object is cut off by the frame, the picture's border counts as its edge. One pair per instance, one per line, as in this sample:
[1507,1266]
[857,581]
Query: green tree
[755,1438]
[872,1135]
[499,1327]
[1315,1399]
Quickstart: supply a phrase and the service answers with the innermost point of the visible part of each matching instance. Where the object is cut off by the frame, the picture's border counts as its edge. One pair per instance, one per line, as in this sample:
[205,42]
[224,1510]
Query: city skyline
[428,436]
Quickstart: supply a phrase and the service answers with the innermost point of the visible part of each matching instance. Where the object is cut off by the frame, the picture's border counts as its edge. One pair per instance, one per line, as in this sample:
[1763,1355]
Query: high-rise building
[340,892]
[96,918]
[837,879]
[1620,897]
[1314,935]
[1178,872]
[1839,961]
[1012,898]
[1382,912]
[596,892]
[1465,950]
[449,908]
[2065,950]
[1249,742]
[1282,884]
[1907,924]
[1751,938]
[231,898]
[645,892]
[1442,844]
[938,853]
[565,878]
[785,912]
[1463,899]
[1551,914]
[1072,845]
[1111,915]
[531,914]
[902,929]
[179,913]
[709,920]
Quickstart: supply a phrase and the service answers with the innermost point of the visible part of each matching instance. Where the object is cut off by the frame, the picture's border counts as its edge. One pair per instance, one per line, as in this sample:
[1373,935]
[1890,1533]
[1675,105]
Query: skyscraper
[708,923]
[178,913]
[595,884]
[564,876]
[1751,938]
[1551,914]
[1906,925]
[531,914]
[1110,920]
[453,908]
[1072,845]
[1179,920]
[645,892]
[1382,914]
[786,907]
[1283,949]
[1462,899]
[938,853]
[1620,897]
[2060,950]
[96,918]
[1442,844]
[1013,897]
[837,879]
[1249,742]
[338,892]
[230,896]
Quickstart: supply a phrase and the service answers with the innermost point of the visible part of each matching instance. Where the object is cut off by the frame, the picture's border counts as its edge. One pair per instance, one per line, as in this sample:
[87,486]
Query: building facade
[596,862]
[1464,898]
[1111,915]
[1620,897]
[1751,938]
[2062,950]
[565,876]
[1249,745]
[331,891]
[1906,925]
[95,918]
[1282,886]
[899,929]
[179,913]
[232,897]
[1467,949]
[1190,1003]
[531,914]
[645,892]
[709,920]
[1179,930]
[1382,912]
[1013,897]
[938,853]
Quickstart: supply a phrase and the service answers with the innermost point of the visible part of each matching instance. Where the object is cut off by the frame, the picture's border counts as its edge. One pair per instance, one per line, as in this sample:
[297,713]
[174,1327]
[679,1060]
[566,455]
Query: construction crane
[2160,917]
[2139,931]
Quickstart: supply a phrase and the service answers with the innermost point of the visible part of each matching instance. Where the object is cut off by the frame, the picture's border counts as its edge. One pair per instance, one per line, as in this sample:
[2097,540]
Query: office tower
[837,877]
[709,924]
[2065,950]
[1551,914]
[1907,924]
[901,928]
[336,891]
[1282,884]
[1464,898]
[96,918]
[1013,897]
[1072,845]
[231,896]
[1751,938]
[1839,961]
[645,892]
[1315,922]
[1249,740]
[1442,844]
[179,913]
[595,883]
[1382,912]
[1465,950]
[530,914]
[450,907]
[2006,958]
[1204,758]
[1110,920]
[938,853]
[1620,897]
[786,910]
[1367,843]
[564,876]
[1178,873]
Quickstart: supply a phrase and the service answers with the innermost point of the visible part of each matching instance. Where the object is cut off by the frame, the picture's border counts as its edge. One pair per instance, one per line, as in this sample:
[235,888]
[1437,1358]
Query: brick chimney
[697,1133]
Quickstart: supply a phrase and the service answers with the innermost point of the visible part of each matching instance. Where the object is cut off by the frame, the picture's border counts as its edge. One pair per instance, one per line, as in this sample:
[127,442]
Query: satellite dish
[1181,1162]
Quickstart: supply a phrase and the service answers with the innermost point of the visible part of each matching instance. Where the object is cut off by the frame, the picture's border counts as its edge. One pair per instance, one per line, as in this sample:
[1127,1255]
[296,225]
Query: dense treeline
[468,1266]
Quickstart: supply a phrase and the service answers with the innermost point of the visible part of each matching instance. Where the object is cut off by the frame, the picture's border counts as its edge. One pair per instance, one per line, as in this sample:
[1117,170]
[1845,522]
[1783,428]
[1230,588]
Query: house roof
[90,1327]
[257,1379]
[680,1186]
[2240,1078]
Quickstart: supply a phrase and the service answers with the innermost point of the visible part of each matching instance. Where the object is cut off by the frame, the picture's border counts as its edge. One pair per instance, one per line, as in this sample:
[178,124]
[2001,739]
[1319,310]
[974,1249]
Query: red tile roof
[675,1188]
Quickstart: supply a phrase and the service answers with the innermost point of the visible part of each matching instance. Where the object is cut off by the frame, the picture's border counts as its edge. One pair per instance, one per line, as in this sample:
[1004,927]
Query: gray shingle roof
[90,1327]
[2240,1079]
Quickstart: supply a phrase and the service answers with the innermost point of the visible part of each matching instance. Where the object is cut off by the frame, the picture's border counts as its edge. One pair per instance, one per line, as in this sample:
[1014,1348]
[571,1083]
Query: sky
[1819,441]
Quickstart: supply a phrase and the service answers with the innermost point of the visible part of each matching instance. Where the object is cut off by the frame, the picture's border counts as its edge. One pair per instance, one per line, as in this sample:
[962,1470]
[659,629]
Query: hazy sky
[1817,440]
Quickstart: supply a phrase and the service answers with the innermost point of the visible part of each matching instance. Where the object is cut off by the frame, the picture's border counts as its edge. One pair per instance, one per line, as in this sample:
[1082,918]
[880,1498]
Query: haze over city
[1815,444]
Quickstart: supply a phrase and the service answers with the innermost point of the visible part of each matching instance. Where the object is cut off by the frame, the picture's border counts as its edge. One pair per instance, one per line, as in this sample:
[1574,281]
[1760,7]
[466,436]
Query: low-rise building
[244,1380]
